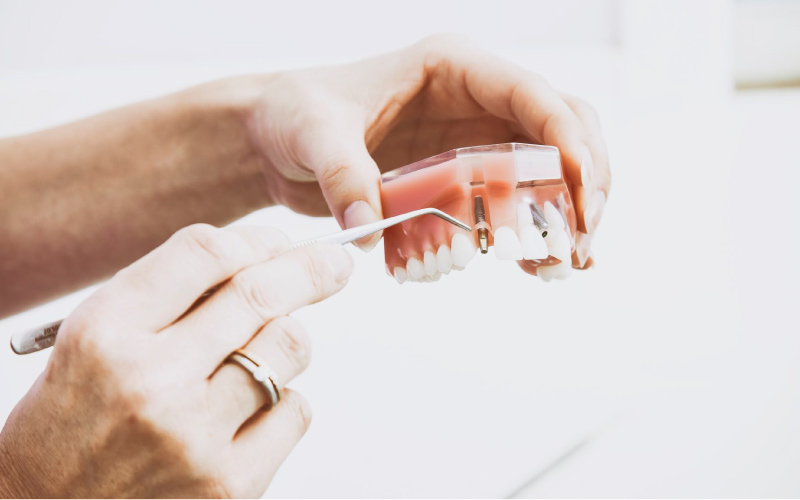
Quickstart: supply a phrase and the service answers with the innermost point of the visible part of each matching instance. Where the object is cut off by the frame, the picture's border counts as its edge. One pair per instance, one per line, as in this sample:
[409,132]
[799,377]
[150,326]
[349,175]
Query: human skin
[117,412]
[135,400]
[82,200]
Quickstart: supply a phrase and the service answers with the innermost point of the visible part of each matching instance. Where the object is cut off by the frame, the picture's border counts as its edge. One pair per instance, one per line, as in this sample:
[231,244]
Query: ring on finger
[261,373]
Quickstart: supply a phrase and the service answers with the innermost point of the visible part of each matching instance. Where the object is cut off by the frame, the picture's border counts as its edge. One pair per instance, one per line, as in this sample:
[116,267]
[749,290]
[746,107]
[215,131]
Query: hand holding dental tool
[147,377]
[44,336]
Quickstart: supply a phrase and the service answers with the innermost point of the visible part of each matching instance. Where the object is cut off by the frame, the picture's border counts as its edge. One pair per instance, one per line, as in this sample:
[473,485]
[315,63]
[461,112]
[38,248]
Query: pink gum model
[514,196]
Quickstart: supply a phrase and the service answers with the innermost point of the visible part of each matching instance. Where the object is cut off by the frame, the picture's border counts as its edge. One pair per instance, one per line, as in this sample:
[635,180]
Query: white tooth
[400,275]
[444,261]
[555,221]
[506,244]
[462,249]
[547,273]
[582,247]
[415,269]
[436,276]
[429,261]
[563,270]
[524,216]
[533,245]
[558,245]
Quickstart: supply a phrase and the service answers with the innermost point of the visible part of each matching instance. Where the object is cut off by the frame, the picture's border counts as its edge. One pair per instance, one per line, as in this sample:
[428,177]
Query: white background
[669,370]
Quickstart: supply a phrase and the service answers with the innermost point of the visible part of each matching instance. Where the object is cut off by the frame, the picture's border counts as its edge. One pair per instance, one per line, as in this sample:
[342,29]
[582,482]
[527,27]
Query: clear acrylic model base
[513,195]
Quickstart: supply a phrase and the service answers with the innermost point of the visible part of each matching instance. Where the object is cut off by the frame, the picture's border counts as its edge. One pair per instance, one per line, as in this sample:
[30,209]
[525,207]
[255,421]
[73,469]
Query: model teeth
[558,245]
[415,268]
[506,244]
[524,215]
[400,275]
[582,246]
[429,262]
[559,271]
[564,270]
[444,261]
[533,245]
[555,220]
[546,273]
[462,249]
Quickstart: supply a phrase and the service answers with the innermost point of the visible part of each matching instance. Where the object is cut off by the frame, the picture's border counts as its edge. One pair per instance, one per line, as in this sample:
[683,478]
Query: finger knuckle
[523,92]
[300,410]
[274,236]
[334,173]
[319,275]
[82,334]
[584,108]
[254,295]
[207,241]
[293,341]
[446,44]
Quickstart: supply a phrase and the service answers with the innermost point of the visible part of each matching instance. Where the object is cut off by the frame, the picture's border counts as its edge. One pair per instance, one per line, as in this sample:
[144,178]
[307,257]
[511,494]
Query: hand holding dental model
[148,391]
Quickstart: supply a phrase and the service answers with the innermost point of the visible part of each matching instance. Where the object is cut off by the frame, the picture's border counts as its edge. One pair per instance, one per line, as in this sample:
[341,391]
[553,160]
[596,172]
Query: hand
[137,400]
[335,126]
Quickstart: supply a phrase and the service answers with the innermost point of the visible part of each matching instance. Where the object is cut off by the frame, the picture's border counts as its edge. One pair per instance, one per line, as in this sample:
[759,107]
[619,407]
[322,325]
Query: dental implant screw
[538,219]
[480,221]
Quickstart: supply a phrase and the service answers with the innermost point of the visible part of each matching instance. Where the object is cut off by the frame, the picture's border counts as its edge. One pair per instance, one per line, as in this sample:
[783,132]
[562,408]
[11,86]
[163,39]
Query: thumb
[350,181]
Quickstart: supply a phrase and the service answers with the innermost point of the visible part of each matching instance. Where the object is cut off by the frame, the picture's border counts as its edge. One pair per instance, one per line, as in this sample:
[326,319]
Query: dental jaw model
[513,195]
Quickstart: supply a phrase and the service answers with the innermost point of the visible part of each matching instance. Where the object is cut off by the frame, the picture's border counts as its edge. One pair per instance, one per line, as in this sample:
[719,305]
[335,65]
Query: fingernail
[359,213]
[587,167]
[591,217]
[339,262]
[583,243]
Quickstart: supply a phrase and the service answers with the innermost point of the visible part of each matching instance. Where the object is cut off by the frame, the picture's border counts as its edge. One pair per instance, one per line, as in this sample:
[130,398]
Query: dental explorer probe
[44,336]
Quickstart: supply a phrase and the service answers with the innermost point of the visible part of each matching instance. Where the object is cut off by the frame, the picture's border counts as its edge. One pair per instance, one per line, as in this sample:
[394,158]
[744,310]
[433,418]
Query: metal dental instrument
[356,233]
[44,336]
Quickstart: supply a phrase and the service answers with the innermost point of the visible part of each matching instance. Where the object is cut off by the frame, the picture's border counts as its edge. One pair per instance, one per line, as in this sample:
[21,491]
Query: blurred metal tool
[44,336]
[358,232]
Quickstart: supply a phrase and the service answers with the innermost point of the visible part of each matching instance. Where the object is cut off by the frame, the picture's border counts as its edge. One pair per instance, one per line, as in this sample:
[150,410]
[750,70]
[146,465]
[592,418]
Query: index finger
[160,287]
[515,94]
[257,295]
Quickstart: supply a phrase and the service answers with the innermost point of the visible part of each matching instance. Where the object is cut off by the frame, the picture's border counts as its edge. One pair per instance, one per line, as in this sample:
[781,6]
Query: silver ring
[261,374]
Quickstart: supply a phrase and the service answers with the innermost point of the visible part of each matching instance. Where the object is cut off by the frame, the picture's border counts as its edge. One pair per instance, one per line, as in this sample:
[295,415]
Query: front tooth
[444,261]
[533,245]
[506,244]
[555,221]
[558,245]
[524,215]
[429,261]
[462,249]
[436,276]
[547,273]
[400,275]
[415,269]
[583,243]
[563,270]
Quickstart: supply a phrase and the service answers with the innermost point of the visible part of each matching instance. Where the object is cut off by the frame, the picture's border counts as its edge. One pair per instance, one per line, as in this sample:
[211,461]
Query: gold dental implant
[538,219]
[481,225]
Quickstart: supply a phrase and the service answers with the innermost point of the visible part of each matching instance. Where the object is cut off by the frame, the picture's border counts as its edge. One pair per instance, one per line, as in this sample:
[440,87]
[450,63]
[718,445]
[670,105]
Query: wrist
[223,111]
